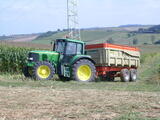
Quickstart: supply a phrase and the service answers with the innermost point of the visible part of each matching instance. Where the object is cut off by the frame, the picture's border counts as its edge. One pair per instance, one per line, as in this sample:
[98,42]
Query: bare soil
[26,39]
[26,45]
[50,104]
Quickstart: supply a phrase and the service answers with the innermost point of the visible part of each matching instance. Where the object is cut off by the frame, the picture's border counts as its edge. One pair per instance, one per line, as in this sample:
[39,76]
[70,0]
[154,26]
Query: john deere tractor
[67,59]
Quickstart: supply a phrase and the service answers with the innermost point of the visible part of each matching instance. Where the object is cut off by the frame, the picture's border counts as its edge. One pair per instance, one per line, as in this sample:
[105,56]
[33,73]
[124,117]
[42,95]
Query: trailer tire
[133,75]
[84,71]
[27,72]
[125,75]
[43,71]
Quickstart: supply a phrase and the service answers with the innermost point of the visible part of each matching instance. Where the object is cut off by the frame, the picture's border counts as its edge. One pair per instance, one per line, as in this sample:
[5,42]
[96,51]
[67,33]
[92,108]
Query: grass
[23,98]
[148,79]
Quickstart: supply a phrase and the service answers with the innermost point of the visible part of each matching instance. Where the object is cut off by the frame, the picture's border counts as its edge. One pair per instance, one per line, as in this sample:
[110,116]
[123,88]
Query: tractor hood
[36,56]
[45,52]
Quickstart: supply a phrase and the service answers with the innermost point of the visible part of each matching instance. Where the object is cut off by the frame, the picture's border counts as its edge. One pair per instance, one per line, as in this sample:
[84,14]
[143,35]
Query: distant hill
[155,28]
[134,25]
[120,35]
[20,37]
[152,29]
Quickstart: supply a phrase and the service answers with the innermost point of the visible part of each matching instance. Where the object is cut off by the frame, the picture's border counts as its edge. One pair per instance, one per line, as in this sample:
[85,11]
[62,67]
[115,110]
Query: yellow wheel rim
[43,71]
[84,72]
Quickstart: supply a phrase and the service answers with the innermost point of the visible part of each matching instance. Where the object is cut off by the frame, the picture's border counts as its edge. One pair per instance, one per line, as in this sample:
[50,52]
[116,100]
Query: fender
[79,57]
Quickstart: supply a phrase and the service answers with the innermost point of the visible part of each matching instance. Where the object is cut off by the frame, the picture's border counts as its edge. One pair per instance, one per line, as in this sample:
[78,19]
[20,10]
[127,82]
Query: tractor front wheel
[84,71]
[43,71]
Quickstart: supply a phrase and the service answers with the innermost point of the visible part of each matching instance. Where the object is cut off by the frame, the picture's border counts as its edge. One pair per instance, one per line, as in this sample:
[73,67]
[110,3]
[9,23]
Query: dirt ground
[50,104]
[26,39]
[27,45]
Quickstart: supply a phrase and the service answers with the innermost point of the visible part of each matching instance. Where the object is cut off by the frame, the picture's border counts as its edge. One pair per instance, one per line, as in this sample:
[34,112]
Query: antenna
[72,19]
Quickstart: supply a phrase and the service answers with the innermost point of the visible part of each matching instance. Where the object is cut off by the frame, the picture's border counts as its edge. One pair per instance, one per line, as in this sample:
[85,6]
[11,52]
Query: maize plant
[12,59]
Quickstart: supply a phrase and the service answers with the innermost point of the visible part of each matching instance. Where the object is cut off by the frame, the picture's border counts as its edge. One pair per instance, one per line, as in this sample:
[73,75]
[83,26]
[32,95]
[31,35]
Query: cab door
[72,49]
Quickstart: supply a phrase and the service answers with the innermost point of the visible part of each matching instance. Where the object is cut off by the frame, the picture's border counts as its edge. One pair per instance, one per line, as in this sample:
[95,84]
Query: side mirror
[51,43]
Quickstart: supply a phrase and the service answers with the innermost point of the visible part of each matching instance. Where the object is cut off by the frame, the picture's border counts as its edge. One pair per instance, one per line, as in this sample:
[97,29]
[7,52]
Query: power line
[72,19]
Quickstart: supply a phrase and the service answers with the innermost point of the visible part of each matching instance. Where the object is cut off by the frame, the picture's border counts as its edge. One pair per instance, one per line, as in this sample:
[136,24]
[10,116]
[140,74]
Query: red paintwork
[107,45]
[103,70]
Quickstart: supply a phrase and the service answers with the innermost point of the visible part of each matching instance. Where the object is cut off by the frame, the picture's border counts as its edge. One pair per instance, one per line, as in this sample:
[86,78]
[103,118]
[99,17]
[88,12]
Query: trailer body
[113,58]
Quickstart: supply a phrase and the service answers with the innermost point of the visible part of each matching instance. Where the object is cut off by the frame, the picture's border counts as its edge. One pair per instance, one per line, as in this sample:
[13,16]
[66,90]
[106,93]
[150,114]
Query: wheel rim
[43,71]
[84,72]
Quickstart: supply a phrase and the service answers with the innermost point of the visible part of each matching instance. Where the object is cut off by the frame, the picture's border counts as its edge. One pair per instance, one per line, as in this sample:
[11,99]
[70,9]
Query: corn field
[12,59]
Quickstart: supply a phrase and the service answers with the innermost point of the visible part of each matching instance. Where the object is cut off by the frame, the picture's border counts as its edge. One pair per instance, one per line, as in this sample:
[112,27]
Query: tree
[157,42]
[129,35]
[135,41]
[153,38]
[110,40]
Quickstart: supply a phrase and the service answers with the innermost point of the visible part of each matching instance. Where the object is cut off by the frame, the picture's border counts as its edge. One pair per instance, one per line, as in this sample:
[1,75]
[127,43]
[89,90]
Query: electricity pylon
[72,19]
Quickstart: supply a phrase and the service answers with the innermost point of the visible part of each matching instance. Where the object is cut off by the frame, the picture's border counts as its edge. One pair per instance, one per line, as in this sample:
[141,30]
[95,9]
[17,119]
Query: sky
[34,16]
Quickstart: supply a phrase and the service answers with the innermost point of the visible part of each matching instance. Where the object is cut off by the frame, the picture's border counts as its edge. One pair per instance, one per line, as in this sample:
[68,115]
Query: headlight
[30,59]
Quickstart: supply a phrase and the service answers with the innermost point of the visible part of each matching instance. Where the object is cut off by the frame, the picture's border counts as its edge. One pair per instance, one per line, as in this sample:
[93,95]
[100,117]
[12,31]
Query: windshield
[59,47]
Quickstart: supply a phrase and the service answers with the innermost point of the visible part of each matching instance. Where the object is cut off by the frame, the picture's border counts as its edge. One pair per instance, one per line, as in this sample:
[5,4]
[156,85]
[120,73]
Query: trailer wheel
[27,71]
[84,71]
[43,71]
[133,75]
[125,75]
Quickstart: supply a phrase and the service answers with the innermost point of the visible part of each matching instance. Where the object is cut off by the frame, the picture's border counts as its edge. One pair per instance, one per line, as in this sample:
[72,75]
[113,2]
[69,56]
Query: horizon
[128,25]
[38,16]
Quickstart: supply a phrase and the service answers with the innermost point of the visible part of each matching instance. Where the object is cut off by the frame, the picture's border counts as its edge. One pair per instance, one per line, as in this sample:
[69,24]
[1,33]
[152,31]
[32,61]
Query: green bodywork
[50,56]
[59,58]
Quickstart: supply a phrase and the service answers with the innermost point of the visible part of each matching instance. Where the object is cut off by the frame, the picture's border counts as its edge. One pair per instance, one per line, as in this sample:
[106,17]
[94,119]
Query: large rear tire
[125,75]
[84,71]
[43,71]
[133,75]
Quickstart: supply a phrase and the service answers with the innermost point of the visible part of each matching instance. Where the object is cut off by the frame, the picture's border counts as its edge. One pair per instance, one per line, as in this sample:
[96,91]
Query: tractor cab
[69,47]
[68,50]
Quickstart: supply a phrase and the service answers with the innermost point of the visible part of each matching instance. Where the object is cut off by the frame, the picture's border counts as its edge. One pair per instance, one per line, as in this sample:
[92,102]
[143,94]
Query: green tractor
[67,60]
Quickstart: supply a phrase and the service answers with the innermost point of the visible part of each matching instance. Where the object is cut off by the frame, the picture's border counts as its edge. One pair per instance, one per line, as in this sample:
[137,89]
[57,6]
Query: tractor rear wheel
[43,71]
[27,71]
[125,75]
[84,71]
[133,75]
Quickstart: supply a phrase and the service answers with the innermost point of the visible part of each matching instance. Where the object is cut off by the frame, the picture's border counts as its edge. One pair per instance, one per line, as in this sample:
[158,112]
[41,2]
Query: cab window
[79,49]
[71,48]
[59,47]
